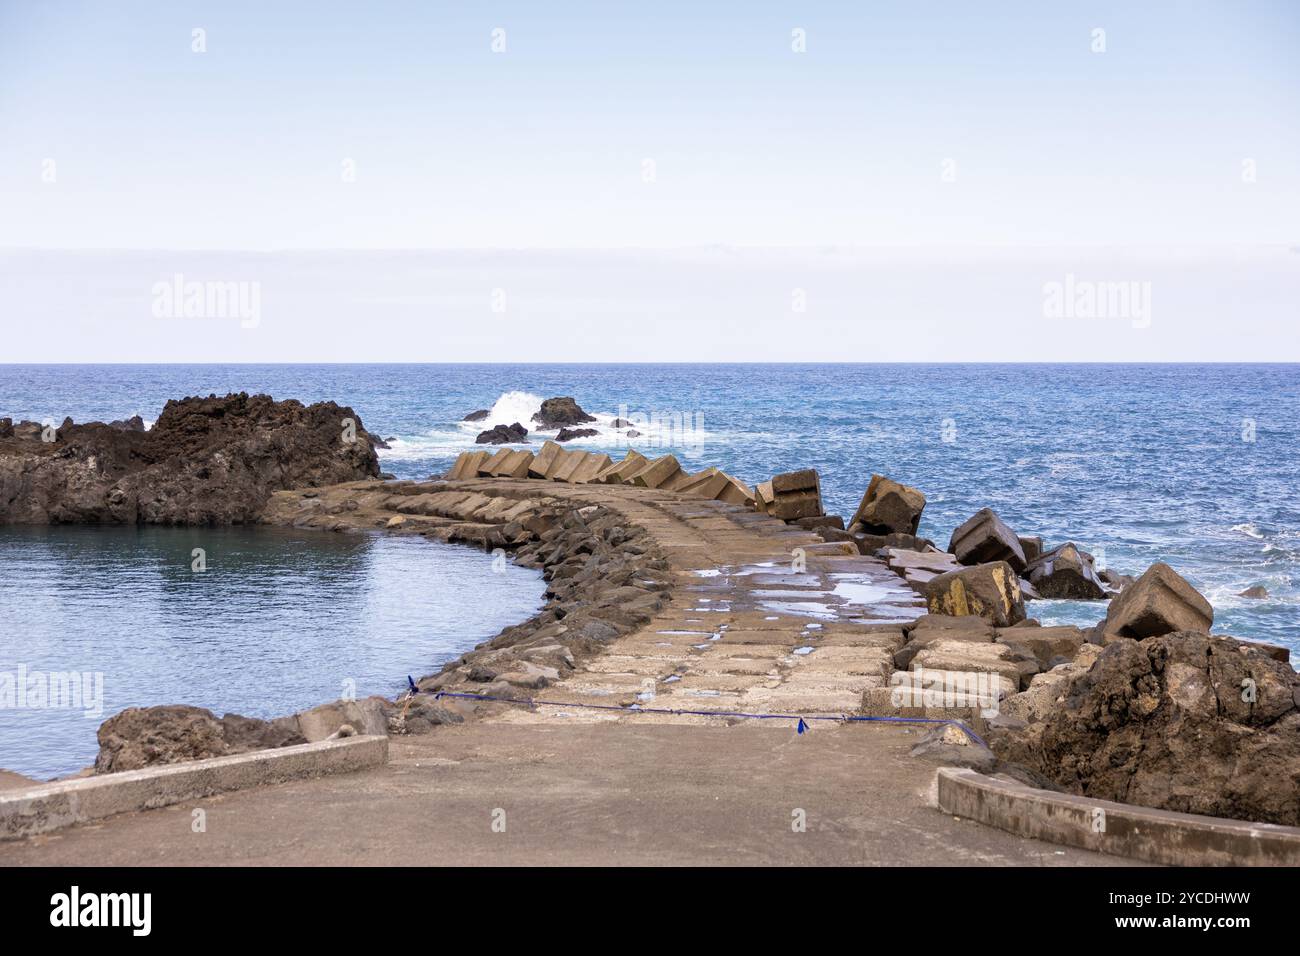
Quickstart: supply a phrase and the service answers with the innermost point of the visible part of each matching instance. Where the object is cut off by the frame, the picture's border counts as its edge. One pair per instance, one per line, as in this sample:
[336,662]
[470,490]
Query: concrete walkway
[579,793]
[763,618]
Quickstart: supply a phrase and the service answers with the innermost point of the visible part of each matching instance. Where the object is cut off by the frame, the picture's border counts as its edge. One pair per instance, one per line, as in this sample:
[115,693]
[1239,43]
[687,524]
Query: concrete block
[486,468]
[656,472]
[619,472]
[592,464]
[544,459]
[791,481]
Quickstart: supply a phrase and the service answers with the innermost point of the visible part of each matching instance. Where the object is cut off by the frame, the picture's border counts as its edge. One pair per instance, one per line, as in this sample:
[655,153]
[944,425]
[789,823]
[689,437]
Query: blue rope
[637,709]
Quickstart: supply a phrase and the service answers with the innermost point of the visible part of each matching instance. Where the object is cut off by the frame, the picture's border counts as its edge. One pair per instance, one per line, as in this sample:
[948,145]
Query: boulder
[1065,572]
[368,716]
[990,591]
[1183,721]
[1159,602]
[206,461]
[569,434]
[985,537]
[561,412]
[144,736]
[477,416]
[136,424]
[1255,592]
[503,435]
[888,507]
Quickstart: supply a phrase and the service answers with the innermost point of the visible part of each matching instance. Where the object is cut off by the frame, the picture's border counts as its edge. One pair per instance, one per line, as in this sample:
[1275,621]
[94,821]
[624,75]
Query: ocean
[1195,465]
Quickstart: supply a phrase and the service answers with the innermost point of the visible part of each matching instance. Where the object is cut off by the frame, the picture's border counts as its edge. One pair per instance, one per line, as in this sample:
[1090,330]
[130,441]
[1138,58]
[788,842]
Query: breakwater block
[796,494]
[544,459]
[618,473]
[467,465]
[656,473]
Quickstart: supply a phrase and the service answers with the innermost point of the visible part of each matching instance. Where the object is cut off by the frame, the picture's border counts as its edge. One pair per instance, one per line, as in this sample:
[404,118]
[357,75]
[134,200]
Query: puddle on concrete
[681,632]
[802,651]
[802,609]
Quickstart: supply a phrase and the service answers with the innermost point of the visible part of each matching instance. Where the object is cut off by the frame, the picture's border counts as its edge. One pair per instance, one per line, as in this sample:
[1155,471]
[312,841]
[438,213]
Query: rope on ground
[801,726]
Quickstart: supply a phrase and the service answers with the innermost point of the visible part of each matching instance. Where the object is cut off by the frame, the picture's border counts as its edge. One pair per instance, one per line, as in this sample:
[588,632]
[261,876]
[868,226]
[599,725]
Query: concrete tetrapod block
[486,469]
[567,464]
[564,462]
[705,485]
[592,464]
[655,473]
[49,806]
[467,465]
[803,480]
[984,537]
[799,504]
[695,481]
[516,465]
[736,492]
[544,459]
[619,472]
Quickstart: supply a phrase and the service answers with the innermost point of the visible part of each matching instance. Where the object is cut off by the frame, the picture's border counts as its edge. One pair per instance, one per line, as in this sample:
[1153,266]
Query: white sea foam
[679,430]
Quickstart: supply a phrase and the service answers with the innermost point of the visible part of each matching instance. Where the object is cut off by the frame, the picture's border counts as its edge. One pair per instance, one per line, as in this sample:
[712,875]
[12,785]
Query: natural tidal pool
[269,622]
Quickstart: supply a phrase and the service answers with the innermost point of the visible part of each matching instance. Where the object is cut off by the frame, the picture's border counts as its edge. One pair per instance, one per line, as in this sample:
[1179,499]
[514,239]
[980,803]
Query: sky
[935,164]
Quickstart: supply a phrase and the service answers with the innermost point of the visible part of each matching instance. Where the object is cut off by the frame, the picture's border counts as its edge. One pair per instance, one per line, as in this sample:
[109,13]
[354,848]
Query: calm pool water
[279,621]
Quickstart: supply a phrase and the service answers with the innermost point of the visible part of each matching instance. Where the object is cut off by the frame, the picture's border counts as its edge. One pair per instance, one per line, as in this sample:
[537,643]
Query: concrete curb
[1140,833]
[48,807]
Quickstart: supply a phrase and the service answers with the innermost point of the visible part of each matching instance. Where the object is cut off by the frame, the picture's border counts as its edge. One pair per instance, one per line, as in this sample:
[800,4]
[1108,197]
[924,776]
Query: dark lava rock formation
[515,434]
[1184,721]
[207,461]
[561,413]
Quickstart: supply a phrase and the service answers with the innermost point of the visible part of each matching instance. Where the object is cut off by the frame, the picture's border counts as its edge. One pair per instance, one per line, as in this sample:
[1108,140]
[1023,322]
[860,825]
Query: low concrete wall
[50,806]
[1140,833]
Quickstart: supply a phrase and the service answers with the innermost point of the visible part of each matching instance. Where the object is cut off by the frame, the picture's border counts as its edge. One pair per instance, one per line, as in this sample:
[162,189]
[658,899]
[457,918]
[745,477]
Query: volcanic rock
[569,434]
[1183,721]
[144,736]
[477,416]
[206,461]
[503,435]
[560,412]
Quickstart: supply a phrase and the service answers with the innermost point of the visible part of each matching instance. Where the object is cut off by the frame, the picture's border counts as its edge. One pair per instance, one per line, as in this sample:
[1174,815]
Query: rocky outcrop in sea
[206,461]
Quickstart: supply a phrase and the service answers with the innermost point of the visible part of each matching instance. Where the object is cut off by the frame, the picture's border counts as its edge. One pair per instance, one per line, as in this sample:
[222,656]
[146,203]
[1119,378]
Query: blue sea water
[277,621]
[1195,465]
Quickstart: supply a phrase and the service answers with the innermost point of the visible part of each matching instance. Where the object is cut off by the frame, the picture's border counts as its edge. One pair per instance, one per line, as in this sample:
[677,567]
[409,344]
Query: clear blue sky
[542,147]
